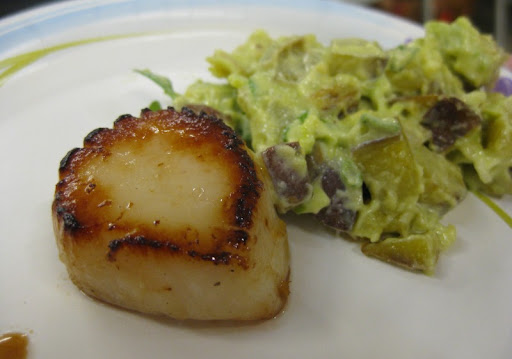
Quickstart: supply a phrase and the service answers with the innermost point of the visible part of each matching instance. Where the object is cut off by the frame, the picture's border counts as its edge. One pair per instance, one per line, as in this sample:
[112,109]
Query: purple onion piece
[504,86]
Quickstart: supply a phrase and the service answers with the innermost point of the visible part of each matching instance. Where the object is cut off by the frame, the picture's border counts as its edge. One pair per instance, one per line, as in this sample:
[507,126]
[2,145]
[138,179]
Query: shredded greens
[495,207]
[161,81]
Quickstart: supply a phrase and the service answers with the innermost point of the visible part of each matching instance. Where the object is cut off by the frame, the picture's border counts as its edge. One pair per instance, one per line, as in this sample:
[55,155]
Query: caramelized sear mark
[199,109]
[76,215]
[65,160]
[154,245]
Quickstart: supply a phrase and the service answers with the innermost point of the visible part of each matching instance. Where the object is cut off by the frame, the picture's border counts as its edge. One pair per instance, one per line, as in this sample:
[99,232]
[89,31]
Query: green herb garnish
[161,81]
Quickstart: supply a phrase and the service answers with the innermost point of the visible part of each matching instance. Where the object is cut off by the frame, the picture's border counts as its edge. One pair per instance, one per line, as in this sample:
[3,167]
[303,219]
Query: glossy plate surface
[342,305]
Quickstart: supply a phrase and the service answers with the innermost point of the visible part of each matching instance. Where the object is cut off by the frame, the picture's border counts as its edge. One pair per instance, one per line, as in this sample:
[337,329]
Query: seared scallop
[172,214]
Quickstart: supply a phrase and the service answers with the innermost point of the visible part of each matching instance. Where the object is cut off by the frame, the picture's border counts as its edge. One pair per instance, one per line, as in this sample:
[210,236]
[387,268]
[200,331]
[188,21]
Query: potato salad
[377,144]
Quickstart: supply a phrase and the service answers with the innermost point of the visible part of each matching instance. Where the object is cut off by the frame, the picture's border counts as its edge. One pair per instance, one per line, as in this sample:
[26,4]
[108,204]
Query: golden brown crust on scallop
[171,200]
[72,202]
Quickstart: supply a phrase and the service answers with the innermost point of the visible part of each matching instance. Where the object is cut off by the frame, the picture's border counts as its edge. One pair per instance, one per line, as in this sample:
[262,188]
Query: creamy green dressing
[14,64]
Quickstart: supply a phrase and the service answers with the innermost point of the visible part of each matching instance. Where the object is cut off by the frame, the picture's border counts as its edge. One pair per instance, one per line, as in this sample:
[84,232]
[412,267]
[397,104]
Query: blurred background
[489,16]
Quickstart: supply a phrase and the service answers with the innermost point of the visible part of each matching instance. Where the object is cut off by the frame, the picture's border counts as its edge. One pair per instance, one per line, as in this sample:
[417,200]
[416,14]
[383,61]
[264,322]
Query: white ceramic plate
[342,304]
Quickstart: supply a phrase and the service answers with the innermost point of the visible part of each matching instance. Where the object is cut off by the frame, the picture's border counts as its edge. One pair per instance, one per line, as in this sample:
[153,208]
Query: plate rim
[49,19]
